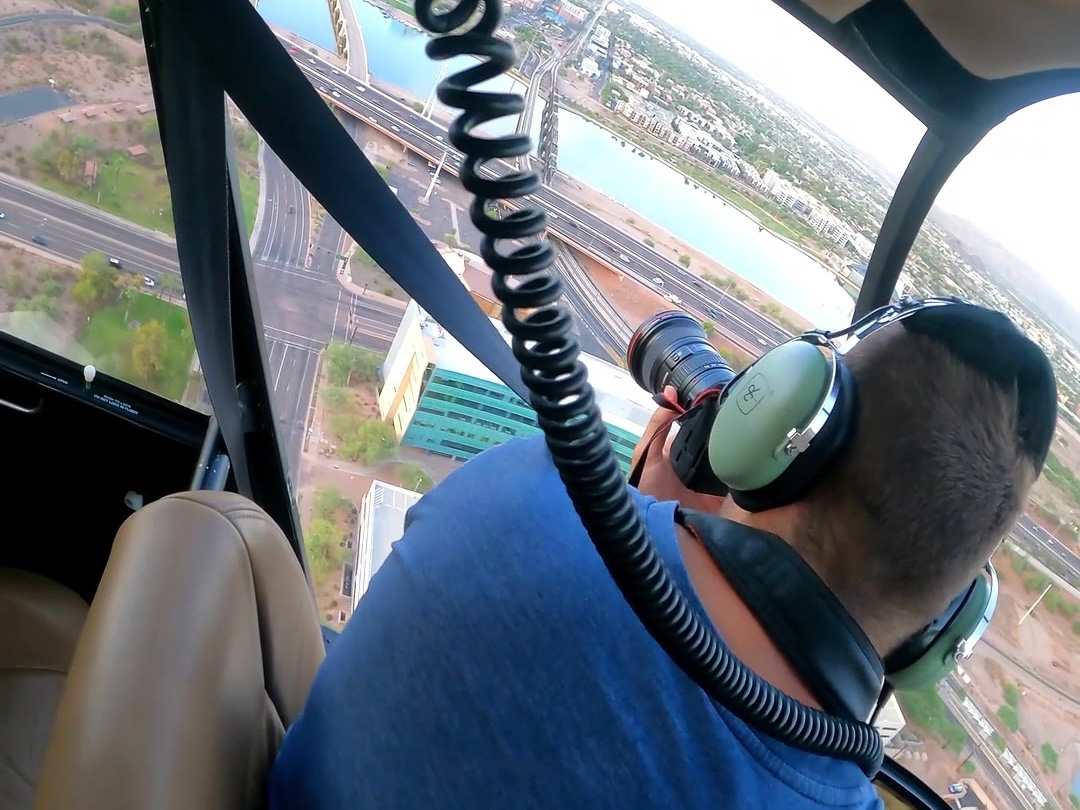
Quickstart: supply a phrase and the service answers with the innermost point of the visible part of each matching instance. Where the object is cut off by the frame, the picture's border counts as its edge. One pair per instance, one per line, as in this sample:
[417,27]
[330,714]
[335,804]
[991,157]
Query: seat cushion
[41,624]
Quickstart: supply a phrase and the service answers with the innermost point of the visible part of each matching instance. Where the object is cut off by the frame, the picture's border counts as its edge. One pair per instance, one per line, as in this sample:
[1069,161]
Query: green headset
[779,423]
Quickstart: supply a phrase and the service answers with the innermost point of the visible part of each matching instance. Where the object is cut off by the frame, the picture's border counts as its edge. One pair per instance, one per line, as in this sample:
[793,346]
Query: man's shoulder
[511,487]
[506,506]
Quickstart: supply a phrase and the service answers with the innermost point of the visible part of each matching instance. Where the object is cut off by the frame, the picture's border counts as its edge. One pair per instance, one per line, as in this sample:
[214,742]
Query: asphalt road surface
[570,221]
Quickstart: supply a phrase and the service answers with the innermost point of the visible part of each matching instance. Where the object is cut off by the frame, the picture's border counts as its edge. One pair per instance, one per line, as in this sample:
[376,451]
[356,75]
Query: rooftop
[623,404]
[389,504]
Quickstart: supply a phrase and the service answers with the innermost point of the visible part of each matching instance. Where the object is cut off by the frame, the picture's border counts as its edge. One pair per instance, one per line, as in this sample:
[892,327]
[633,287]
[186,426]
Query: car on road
[335,94]
[361,89]
[623,257]
[148,281]
[292,209]
[38,239]
[958,789]
[659,282]
[3,215]
[395,128]
[115,262]
[762,341]
[440,138]
[311,60]
[671,298]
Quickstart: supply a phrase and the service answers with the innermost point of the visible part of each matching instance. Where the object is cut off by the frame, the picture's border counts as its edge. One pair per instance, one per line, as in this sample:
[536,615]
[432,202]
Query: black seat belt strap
[267,86]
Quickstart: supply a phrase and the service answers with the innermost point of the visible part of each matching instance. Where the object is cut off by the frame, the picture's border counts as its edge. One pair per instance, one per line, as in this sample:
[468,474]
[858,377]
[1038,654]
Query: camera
[671,348]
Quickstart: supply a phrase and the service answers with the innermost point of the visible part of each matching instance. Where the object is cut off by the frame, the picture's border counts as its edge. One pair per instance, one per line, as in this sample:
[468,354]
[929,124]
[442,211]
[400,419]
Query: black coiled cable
[547,349]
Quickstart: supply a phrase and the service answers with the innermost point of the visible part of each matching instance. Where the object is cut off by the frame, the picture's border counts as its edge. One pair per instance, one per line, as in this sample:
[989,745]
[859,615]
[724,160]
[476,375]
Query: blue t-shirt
[493,663]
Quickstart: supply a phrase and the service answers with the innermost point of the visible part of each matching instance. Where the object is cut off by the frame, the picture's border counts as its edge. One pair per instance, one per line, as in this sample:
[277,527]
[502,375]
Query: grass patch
[926,709]
[133,191]
[110,338]
[249,199]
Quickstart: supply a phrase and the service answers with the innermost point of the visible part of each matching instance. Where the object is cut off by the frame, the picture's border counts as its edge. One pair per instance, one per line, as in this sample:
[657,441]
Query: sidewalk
[350,286]
[358,61]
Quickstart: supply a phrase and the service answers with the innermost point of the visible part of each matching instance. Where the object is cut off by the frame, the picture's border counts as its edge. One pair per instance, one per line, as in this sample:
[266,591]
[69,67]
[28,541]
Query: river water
[592,155]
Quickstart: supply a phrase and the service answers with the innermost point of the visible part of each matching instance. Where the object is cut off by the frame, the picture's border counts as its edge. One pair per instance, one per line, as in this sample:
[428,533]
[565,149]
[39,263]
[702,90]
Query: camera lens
[670,348]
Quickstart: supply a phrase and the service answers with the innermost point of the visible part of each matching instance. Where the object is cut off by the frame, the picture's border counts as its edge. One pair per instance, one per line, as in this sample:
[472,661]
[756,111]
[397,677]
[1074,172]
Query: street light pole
[435,178]
[429,105]
[1029,611]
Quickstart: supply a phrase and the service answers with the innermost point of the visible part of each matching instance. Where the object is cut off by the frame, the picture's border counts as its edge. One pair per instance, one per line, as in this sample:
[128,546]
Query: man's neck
[735,622]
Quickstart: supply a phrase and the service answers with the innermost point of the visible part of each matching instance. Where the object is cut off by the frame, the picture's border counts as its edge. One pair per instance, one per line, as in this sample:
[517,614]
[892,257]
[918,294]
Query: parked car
[148,281]
[38,239]
[115,262]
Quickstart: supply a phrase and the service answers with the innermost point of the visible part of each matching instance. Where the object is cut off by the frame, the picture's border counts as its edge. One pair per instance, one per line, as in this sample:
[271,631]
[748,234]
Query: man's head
[936,474]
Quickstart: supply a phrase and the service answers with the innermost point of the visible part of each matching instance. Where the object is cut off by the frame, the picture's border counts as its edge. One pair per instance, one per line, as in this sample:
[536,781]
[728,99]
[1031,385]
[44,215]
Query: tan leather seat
[40,624]
[198,651]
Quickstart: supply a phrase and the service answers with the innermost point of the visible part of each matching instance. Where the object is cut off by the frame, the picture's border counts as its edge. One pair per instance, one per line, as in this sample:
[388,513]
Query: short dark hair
[935,476]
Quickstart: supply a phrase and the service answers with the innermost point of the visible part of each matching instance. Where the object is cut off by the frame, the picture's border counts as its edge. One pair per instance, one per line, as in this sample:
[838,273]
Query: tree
[414,477]
[128,286]
[96,285]
[968,767]
[709,327]
[1012,694]
[684,260]
[171,283]
[1009,717]
[328,501]
[335,398]
[955,737]
[998,741]
[148,351]
[348,364]
[1049,757]
[322,543]
[373,441]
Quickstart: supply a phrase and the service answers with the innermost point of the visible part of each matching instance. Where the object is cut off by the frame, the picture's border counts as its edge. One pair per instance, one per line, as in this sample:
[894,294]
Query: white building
[382,523]
[442,399]
[889,721]
[590,68]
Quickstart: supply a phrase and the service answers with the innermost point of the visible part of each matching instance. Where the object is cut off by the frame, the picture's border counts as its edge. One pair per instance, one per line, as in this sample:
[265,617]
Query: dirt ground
[1045,645]
[91,63]
[31,281]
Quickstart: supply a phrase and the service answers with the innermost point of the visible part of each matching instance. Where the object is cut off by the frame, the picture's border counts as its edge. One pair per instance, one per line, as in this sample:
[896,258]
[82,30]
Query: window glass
[686,174]
[1004,236]
[88,264]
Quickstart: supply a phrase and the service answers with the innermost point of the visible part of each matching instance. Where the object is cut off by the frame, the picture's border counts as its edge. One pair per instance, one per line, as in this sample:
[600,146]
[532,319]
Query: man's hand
[658,477]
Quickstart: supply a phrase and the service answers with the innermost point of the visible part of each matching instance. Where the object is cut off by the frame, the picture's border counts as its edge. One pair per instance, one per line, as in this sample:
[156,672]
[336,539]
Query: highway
[69,17]
[1055,555]
[571,222]
[989,760]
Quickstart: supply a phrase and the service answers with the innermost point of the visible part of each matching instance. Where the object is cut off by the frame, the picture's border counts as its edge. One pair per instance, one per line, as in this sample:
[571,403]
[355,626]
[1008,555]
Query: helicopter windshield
[740,170]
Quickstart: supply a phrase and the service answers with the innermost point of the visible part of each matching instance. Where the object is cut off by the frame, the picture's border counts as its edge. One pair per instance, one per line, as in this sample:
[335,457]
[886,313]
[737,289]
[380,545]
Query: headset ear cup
[780,392]
[807,468]
[930,655]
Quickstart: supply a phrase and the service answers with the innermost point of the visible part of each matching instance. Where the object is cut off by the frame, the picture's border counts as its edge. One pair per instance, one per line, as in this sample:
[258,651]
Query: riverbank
[745,200]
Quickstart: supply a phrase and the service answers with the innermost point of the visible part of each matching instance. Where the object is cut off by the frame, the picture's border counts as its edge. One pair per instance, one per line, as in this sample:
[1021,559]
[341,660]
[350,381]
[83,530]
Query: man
[493,662]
